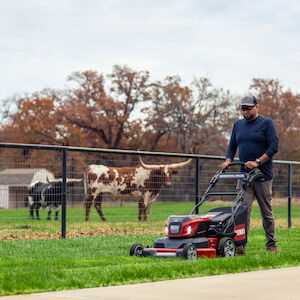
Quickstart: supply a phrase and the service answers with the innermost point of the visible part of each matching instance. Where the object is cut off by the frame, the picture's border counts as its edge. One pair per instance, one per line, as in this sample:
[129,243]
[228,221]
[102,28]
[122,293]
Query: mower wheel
[189,252]
[226,247]
[136,250]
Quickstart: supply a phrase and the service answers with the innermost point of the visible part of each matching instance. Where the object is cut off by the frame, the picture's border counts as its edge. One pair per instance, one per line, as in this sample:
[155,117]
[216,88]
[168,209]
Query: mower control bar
[232,176]
[222,193]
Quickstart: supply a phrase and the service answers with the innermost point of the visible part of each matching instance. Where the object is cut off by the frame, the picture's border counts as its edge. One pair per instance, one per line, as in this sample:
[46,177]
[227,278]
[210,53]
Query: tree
[283,106]
[36,121]
[103,110]
[197,116]
[215,113]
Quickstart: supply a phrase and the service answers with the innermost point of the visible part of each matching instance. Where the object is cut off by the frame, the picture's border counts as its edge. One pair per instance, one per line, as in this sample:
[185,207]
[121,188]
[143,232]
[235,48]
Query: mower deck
[171,252]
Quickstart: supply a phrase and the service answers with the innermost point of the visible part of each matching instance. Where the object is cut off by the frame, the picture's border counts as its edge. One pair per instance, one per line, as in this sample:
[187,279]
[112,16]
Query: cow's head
[164,172]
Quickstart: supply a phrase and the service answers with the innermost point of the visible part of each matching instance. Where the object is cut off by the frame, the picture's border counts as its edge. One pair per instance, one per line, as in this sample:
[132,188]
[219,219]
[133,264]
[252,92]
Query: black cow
[48,195]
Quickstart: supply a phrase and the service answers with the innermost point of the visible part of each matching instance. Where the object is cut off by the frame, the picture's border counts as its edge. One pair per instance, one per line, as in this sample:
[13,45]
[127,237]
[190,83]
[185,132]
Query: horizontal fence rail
[129,152]
[68,169]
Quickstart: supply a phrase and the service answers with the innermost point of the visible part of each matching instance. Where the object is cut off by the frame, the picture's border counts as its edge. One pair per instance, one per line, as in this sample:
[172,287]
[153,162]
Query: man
[256,139]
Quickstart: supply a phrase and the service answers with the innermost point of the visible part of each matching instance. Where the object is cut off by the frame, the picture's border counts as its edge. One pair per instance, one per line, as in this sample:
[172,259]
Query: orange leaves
[283,106]
[35,121]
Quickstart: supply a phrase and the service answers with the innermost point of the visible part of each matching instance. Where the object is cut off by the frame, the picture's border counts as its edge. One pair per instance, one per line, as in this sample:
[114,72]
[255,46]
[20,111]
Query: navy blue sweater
[253,139]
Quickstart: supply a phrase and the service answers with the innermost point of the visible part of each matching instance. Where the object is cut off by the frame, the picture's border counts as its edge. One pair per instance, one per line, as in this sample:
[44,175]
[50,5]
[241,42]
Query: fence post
[197,194]
[64,194]
[290,193]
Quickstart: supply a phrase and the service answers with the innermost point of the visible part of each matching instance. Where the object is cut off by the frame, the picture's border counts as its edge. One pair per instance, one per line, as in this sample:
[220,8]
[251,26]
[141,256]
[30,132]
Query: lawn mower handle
[236,163]
[213,181]
[215,178]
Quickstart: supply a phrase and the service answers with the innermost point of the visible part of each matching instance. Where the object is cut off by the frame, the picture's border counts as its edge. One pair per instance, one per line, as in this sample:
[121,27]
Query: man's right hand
[225,164]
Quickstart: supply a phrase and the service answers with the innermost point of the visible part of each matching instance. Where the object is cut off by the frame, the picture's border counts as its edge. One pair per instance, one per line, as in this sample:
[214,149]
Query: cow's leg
[88,204]
[147,210]
[145,213]
[147,199]
[31,211]
[141,209]
[37,207]
[31,206]
[49,213]
[37,213]
[98,206]
[56,212]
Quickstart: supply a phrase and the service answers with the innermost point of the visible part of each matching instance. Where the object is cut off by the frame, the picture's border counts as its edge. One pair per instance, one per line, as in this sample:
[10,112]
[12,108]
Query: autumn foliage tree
[102,110]
[36,121]
[283,106]
[196,116]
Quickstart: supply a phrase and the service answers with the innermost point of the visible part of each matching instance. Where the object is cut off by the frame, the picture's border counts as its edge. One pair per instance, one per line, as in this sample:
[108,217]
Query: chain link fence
[43,193]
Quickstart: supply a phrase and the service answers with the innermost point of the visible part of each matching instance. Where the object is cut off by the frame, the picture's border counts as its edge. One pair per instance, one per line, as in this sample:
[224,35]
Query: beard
[250,118]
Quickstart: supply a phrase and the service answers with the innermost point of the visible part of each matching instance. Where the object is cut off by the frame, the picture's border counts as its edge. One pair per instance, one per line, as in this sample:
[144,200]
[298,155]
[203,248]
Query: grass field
[42,265]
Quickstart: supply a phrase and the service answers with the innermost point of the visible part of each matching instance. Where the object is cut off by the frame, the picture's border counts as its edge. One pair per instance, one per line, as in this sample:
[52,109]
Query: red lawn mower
[216,233]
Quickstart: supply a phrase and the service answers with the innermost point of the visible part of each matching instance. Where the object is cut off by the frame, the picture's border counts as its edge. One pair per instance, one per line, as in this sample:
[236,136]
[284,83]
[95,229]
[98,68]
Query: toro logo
[240,232]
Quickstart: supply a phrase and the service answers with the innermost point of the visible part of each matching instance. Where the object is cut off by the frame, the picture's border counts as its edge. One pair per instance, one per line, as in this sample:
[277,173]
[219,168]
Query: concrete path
[261,285]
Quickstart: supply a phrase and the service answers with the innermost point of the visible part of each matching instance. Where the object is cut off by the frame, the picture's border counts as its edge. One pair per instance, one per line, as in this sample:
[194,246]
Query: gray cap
[248,101]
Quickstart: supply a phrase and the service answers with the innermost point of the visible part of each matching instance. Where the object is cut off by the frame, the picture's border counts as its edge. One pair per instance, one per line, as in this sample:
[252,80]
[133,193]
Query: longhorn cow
[144,182]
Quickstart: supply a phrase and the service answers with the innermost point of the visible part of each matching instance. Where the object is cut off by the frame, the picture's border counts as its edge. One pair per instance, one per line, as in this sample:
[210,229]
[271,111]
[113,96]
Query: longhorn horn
[181,164]
[172,166]
[150,167]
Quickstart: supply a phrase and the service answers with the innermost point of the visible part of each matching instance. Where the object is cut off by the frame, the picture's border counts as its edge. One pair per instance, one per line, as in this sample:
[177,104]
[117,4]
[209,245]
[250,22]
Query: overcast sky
[230,42]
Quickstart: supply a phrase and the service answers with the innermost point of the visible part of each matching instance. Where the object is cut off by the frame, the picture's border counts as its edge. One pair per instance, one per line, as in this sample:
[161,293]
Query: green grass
[44,265]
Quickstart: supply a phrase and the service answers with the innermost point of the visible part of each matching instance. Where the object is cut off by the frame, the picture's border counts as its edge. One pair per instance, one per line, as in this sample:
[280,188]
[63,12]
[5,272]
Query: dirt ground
[106,229]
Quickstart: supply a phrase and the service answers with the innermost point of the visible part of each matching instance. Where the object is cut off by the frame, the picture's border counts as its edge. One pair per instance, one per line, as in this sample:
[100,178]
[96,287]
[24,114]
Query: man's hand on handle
[251,164]
[225,164]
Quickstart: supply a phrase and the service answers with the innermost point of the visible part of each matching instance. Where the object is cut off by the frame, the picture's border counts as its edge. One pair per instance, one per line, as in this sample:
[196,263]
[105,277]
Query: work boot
[272,249]
[240,251]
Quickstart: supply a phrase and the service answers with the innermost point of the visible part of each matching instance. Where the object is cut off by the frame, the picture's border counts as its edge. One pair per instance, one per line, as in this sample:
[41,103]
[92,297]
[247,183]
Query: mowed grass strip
[44,265]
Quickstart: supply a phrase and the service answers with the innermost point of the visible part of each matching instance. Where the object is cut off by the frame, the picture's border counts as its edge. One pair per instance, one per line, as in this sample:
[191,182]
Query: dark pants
[262,191]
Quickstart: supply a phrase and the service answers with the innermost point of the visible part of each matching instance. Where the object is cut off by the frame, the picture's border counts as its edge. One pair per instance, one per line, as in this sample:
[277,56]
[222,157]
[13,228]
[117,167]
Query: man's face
[249,112]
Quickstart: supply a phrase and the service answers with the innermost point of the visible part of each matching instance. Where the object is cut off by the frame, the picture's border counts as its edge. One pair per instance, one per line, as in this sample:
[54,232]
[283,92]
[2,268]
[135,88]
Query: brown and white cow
[144,182]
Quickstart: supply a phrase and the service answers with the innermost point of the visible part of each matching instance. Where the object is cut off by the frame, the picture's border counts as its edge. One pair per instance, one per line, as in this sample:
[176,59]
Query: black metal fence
[21,165]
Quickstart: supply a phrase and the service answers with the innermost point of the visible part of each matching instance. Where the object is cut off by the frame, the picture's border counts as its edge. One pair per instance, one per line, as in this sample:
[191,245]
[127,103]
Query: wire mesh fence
[52,192]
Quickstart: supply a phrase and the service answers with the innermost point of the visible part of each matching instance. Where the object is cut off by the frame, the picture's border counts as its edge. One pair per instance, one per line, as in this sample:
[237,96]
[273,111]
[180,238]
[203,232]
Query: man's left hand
[251,164]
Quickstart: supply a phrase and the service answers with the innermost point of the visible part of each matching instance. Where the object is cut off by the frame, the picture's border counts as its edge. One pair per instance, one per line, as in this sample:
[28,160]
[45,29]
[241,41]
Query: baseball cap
[248,101]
